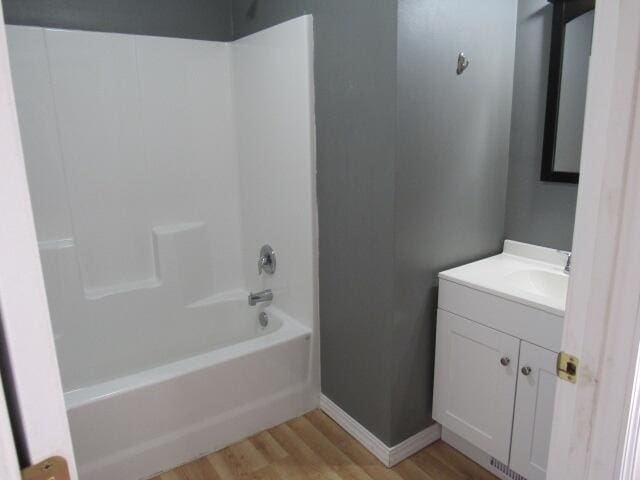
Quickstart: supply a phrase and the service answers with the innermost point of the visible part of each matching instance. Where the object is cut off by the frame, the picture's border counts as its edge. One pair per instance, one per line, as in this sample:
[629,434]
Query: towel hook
[463,63]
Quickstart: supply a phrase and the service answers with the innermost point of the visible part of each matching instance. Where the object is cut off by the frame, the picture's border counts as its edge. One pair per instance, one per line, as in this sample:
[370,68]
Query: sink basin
[522,273]
[540,282]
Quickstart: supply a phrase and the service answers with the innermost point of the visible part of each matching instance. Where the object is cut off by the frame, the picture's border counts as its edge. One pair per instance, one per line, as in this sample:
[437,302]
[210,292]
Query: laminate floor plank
[351,448]
[268,447]
[330,454]
[458,462]
[407,470]
[314,447]
[436,468]
[199,469]
[300,456]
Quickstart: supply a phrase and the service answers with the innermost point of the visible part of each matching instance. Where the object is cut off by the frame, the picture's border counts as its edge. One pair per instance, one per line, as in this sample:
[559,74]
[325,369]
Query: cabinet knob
[526,371]
[504,361]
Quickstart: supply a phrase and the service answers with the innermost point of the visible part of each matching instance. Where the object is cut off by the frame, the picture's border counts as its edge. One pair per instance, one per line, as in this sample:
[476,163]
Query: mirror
[572,30]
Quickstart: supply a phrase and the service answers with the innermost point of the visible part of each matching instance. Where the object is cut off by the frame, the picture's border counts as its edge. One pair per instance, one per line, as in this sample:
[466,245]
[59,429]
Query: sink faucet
[567,266]
[259,297]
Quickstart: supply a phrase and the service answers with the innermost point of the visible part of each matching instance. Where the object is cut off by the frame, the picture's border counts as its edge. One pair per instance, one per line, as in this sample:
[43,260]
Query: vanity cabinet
[475,382]
[499,330]
[495,391]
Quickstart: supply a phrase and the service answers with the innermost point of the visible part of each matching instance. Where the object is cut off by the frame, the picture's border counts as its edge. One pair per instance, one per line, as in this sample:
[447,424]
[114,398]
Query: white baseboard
[389,456]
[414,444]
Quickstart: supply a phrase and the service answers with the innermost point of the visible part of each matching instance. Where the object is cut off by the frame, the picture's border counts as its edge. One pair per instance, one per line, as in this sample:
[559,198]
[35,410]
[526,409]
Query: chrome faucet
[259,297]
[567,266]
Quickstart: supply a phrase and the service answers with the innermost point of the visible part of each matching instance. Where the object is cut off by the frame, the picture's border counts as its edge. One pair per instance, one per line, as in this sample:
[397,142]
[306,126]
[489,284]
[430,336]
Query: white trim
[413,444]
[9,469]
[368,440]
[630,467]
[613,435]
[389,456]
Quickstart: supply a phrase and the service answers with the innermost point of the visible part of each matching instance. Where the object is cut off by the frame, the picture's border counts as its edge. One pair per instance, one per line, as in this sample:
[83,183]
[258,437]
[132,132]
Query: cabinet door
[533,412]
[475,383]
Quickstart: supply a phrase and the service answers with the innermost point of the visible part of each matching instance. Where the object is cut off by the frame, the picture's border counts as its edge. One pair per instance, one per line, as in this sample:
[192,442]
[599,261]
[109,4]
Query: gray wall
[537,212]
[201,19]
[355,77]
[451,172]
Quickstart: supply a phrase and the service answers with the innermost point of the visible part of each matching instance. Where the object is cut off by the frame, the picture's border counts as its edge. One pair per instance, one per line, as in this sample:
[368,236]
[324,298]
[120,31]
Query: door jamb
[9,468]
[29,357]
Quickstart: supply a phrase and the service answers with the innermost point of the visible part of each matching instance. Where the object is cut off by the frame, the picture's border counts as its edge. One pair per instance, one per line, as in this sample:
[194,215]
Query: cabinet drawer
[475,382]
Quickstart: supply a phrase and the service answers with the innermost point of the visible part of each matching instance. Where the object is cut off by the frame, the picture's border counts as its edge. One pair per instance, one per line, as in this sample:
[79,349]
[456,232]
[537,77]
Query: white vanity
[498,337]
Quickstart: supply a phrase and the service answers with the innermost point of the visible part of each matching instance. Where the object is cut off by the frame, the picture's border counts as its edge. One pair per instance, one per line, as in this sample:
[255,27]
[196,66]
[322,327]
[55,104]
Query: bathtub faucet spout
[259,297]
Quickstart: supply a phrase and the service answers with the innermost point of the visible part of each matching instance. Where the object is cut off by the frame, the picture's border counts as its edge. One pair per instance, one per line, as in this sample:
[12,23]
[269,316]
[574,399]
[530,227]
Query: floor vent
[502,468]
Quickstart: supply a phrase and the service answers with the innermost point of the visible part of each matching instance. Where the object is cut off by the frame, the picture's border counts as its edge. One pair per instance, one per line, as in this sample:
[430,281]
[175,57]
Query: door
[533,414]
[475,382]
[28,358]
[600,327]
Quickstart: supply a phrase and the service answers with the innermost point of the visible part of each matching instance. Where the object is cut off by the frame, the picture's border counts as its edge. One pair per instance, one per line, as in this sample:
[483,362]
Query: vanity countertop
[522,273]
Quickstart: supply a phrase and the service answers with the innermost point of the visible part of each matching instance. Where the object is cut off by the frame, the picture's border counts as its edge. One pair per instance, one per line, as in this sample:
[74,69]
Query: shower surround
[158,167]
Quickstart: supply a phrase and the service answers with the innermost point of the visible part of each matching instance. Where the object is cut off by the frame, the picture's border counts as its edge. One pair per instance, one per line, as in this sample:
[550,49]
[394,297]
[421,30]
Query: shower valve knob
[267,260]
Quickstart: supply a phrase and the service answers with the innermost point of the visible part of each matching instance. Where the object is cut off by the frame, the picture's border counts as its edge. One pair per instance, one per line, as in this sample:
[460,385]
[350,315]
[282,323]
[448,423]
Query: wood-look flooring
[314,446]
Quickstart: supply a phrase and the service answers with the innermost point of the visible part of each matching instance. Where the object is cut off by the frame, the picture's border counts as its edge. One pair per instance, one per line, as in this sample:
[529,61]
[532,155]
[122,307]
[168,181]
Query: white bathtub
[138,425]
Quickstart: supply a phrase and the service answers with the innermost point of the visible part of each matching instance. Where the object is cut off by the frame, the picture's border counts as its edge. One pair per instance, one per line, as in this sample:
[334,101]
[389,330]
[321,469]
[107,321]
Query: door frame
[589,435]
[601,324]
[9,468]
[27,357]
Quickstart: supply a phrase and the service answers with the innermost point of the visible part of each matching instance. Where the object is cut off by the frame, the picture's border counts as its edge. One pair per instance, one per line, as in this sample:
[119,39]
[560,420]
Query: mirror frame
[563,12]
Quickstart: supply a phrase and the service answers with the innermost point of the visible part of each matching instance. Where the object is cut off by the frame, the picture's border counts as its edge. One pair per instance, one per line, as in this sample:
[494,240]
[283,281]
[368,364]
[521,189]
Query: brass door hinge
[54,468]
[567,368]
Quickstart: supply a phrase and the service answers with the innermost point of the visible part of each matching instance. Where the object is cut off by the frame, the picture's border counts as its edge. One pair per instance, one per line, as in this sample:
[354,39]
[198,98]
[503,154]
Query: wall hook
[463,63]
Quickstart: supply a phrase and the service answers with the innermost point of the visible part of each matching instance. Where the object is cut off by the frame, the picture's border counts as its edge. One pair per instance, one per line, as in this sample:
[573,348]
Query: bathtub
[138,425]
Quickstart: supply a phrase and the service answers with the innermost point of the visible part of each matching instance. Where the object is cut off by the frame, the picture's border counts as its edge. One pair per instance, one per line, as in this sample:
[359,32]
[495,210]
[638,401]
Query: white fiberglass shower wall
[158,167]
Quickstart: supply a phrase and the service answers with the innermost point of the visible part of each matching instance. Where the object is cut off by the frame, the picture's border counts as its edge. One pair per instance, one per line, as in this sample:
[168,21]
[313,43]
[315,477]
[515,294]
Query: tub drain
[263,319]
